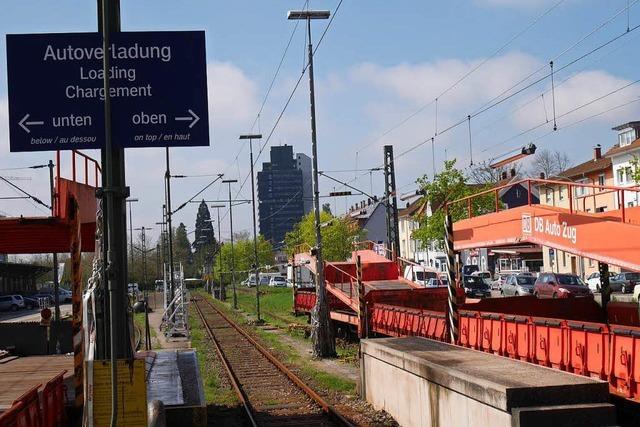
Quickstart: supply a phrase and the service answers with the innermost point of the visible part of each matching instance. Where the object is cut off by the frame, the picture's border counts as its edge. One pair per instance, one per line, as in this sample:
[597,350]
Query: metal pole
[255,236]
[56,281]
[323,340]
[114,194]
[170,229]
[451,273]
[233,265]
[131,239]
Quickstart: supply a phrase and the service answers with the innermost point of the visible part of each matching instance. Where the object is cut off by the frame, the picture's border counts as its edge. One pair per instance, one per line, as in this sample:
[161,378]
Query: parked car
[476,287]
[437,283]
[500,279]
[468,269]
[47,297]
[518,284]
[278,282]
[30,302]
[11,302]
[628,281]
[555,285]
[594,283]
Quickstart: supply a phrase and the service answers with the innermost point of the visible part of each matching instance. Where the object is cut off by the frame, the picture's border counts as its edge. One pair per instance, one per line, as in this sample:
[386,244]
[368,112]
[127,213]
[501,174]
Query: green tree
[447,186]
[243,259]
[338,235]
[182,250]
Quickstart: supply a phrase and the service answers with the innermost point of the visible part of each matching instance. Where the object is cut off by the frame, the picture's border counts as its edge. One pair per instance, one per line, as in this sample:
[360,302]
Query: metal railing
[529,184]
[90,165]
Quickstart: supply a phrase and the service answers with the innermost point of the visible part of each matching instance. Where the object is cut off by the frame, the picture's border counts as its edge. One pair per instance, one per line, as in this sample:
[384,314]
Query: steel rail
[328,409]
[227,366]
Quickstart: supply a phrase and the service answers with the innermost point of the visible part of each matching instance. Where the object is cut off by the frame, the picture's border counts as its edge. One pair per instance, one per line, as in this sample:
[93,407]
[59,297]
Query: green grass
[281,297]
[215,392]
[277,301]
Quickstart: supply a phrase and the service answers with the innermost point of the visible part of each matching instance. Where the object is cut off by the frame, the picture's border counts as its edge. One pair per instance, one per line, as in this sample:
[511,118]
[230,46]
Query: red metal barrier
[24,412]
[53,401]
[624,368]
[517,337]
[403,321]
[549,342]
[491,325]
[587,349]
[305,301]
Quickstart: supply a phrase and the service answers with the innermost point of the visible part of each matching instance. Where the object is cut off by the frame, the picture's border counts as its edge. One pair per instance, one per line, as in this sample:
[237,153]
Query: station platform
[422,382]
[173,377]
[20,374]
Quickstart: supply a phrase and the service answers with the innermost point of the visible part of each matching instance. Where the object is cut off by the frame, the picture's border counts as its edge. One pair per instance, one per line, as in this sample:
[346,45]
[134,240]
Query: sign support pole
[114,193]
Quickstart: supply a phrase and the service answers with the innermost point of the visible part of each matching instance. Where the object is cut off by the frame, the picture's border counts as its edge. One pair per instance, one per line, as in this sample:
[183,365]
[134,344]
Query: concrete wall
[425,383]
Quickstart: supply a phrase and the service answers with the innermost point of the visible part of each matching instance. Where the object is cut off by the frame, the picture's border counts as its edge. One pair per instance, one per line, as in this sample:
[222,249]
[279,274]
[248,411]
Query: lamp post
[129,202]
[322,336]
[233,270]
[217,208]
[251,137]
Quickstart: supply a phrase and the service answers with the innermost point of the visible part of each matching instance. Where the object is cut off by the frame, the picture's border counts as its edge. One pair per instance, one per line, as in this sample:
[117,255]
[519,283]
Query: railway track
[270,393]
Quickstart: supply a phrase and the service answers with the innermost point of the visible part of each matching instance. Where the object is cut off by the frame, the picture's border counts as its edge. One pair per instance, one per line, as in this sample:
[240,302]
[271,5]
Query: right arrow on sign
[193,118]
[24,122]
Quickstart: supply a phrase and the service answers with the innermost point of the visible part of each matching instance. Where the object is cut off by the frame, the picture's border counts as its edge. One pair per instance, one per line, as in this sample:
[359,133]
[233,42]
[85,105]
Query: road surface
[32,315]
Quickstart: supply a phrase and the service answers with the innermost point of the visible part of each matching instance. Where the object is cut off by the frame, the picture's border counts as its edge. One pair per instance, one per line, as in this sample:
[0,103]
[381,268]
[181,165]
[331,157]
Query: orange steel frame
[586,230]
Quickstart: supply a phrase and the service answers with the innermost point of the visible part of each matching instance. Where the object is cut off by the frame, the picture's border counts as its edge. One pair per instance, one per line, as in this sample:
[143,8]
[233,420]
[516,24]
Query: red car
[555,285]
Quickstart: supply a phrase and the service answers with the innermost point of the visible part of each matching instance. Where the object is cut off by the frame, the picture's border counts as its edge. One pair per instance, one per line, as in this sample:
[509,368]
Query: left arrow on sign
[24,122]
[193,119]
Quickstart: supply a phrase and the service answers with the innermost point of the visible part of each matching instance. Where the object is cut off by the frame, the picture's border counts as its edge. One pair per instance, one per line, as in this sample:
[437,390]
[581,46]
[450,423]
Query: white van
[420,274]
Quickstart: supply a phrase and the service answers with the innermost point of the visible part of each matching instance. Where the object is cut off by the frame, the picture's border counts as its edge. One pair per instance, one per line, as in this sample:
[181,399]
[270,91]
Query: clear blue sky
[380,61]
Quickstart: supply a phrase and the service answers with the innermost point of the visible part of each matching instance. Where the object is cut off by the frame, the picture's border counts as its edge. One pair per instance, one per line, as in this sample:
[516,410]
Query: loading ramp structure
[609,237]
[391,305]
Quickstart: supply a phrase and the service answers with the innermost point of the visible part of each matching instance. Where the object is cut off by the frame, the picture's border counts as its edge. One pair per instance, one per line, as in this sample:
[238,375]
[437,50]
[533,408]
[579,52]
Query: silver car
[11,302]
[518,284]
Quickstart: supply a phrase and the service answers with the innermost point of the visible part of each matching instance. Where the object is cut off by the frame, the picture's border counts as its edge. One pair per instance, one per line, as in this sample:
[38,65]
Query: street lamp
[233,270]
[323,340]
[251,137]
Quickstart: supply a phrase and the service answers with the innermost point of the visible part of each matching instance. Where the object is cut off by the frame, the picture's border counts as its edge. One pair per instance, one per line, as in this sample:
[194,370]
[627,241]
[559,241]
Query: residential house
[595,171]
[622,155]
[371,217]
[412,249]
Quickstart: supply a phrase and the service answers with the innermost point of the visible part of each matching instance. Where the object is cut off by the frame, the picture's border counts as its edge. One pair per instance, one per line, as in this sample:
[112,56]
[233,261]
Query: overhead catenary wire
[462,78]
[32,197]
[495,104]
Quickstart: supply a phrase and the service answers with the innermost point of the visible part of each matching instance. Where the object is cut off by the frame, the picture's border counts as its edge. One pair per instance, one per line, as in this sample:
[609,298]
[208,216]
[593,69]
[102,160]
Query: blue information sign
[158,90]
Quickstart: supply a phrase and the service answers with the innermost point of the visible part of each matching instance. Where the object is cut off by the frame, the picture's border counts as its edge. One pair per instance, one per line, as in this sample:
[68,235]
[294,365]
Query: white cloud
[582,88]
[232,95]
[421,83]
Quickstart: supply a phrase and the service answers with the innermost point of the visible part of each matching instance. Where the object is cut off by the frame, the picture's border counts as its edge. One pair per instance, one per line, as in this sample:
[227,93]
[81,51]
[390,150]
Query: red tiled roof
[590,166]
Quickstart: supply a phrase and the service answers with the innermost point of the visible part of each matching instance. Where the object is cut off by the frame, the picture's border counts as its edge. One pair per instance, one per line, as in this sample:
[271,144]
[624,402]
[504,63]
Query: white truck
[420,274]
[303,279]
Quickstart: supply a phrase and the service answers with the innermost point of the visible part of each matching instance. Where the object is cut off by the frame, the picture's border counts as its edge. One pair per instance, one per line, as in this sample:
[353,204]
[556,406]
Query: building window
[560,194]
[628,171]
[601,179]
[548,196]
[590,262]
[626,137]
[581,191]
[601,209]
[620,175]
[564,259]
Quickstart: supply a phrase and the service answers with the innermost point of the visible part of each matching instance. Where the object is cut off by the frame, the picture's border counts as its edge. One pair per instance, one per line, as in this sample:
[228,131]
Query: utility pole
[56,279]
[393,236]
[233,265]
[167,177]
[217,207]
[322,336]
[143,231]
[256,265]
[113,193]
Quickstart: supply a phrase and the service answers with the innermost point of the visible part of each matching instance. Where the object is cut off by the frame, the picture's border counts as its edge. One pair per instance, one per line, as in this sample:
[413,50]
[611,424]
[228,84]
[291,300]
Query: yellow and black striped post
[76,301]
[452,313]
[362,306]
